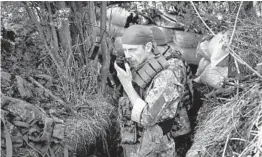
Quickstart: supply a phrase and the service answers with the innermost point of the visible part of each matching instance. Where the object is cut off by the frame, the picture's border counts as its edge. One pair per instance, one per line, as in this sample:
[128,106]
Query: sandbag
[218,49]
[174,47]
[188,54]
[117,16]
[202,66]
[213,76]
[203,50]
[169,33]
[186,39]
[215,50]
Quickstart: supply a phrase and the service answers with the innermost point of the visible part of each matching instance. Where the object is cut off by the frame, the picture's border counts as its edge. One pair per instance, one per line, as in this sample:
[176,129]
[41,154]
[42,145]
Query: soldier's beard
[132,63]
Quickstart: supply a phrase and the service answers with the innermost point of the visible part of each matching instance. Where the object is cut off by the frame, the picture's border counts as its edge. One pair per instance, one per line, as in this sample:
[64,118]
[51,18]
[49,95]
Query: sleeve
[163,93]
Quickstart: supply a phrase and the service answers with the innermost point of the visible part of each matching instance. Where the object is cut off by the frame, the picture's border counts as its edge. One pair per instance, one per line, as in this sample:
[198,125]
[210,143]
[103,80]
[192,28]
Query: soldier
[154,89]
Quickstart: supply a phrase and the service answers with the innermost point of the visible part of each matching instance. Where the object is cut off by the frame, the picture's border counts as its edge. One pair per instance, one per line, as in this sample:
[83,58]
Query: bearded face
[136,54]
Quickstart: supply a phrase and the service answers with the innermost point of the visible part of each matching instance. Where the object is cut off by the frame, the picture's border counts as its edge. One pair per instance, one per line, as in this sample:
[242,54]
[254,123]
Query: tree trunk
[79,40]
[64,31]
[54,42]
[92,17]
[91,21]
[51,51]
[105,53]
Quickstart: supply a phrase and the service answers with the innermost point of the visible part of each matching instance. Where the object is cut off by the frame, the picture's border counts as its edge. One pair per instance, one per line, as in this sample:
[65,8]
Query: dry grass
[231,124]
[91,111]
[247,43]
[91,121]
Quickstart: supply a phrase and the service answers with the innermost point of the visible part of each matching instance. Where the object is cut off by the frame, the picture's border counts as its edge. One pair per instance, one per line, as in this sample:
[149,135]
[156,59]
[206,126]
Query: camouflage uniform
[164,94]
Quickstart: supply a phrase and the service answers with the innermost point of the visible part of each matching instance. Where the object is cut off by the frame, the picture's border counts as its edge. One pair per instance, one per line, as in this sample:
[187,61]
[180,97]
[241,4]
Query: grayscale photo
[131,78]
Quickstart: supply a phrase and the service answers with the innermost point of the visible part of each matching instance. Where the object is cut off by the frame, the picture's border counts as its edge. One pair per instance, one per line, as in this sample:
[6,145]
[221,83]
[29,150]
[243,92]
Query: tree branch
[201,18]
[240,60]
[231,39]
[53,55]
[48,91]
[234,29]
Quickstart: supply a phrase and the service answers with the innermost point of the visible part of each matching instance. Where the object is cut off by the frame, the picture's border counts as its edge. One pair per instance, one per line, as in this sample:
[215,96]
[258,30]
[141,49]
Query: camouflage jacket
[163,95]
[166,94]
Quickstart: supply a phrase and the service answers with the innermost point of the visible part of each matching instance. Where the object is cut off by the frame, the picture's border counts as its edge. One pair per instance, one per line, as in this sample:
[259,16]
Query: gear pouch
[129,134]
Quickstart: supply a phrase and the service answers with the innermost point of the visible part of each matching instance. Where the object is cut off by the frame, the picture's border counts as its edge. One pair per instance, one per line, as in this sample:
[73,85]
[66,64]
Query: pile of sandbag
[186,43]
[213,66]
[169,34]
[211,55]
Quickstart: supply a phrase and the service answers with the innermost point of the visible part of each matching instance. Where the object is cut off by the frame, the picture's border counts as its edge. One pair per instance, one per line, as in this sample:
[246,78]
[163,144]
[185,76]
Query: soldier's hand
[125,76]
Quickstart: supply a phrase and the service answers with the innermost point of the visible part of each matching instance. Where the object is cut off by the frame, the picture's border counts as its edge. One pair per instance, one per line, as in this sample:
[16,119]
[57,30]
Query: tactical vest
[149,70]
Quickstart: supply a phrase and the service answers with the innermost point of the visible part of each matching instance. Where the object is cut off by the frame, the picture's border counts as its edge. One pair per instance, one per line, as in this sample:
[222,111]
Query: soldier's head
[138,44]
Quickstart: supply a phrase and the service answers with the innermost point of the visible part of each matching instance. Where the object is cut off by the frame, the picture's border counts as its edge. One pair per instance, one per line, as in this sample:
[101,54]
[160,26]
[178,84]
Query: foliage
[37,26]
[37,39]
[218,15]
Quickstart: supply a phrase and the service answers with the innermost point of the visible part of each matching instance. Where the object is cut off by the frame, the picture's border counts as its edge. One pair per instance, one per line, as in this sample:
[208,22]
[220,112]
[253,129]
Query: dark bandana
[137,35]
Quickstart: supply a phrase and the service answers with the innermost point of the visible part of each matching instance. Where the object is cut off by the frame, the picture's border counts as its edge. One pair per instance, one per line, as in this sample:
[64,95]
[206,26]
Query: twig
[236,57]
[238,74]
[234,29]
[235,61]
[225,145]
[201,18]
[47,91]
[171,17]
[55,57]
[238,139]
[239,59]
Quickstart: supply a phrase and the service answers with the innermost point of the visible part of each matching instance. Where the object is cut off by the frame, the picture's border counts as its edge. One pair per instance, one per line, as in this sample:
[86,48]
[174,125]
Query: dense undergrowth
[228,124]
